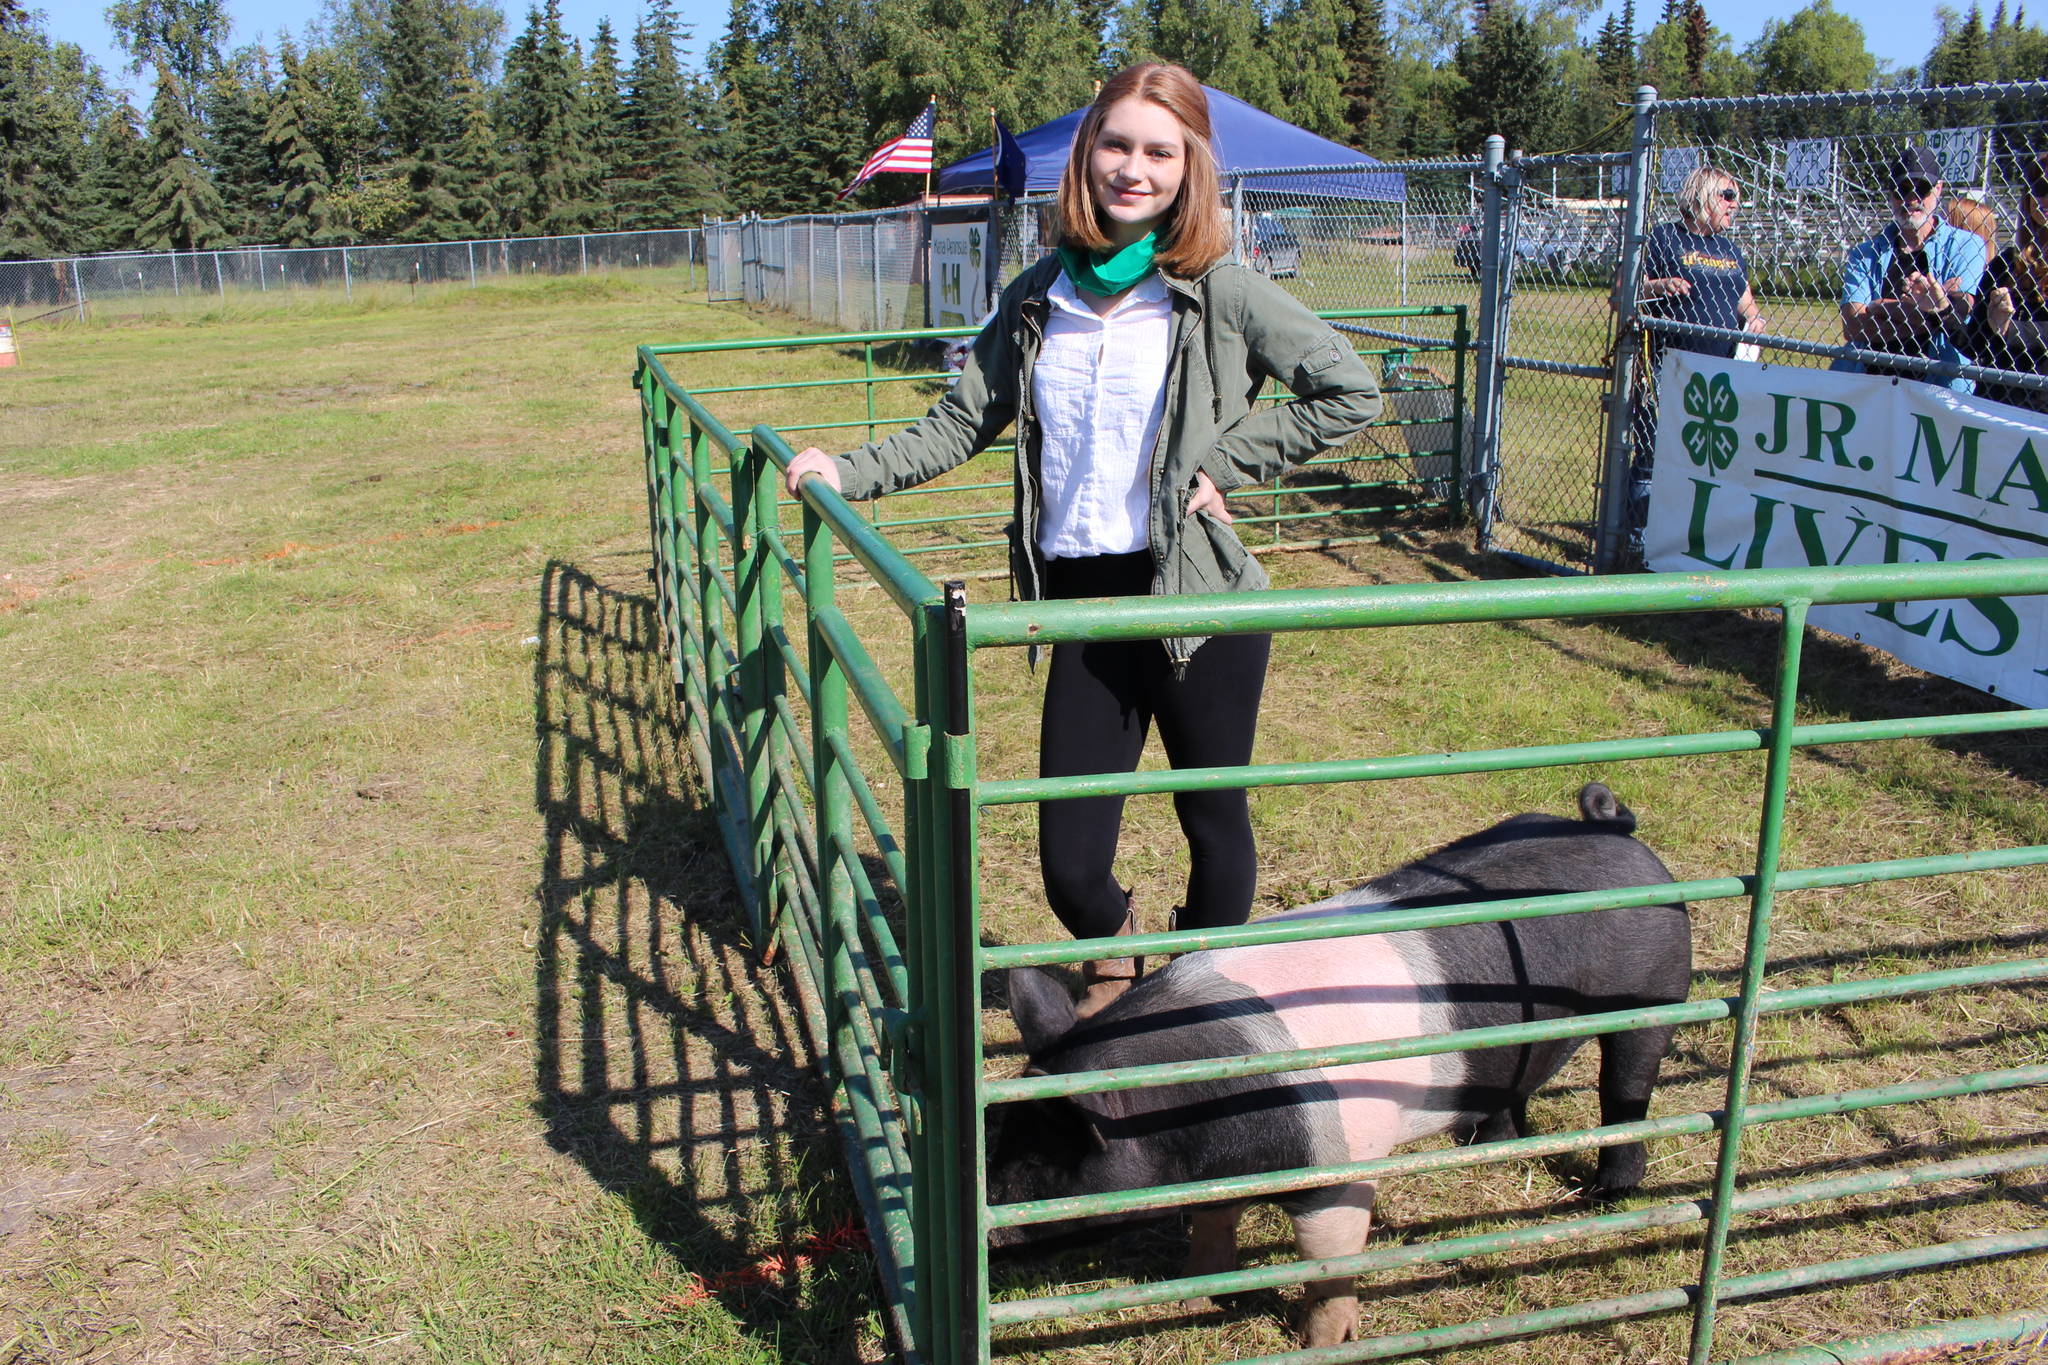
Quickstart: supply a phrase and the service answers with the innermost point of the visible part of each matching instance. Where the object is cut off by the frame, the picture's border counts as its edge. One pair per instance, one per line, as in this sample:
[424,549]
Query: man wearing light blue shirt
[1910,289]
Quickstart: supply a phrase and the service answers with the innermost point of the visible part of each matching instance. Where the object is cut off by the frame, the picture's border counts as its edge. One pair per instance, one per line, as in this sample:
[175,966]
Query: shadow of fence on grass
[668,1062]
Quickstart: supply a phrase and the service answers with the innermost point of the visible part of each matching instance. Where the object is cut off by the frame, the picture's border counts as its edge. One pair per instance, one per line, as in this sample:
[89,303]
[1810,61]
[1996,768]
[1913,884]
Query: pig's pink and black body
[1279,997]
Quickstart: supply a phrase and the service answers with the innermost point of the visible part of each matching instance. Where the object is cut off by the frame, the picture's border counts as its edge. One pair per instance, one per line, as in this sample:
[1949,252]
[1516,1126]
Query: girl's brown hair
[1192,235]
[1971,216]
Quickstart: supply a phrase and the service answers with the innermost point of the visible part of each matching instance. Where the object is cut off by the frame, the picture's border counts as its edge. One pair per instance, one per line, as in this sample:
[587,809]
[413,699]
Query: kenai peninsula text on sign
[1771,466]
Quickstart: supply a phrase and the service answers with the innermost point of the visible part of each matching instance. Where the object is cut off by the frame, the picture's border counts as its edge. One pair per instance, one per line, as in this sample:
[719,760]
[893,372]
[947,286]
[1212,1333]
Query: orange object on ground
[7,352]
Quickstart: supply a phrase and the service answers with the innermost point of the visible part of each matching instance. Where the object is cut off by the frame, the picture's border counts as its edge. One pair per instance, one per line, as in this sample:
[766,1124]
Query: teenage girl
[1128,361]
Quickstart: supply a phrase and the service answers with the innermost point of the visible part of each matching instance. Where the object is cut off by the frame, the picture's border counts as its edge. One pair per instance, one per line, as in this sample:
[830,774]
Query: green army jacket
[1232,329]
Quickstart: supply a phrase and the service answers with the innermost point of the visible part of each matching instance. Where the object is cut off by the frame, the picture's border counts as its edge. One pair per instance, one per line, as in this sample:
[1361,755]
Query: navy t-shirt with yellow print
[1719,277]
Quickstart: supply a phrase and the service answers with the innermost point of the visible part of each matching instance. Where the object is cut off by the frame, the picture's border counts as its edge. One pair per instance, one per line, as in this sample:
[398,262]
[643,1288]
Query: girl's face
[1136,166]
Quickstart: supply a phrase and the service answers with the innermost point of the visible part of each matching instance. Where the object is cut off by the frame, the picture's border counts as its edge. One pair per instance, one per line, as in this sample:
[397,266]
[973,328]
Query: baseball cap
[1912,165]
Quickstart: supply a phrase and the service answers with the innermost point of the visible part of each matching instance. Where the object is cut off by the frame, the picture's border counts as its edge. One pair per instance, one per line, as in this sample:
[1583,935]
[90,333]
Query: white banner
[957,287]
[1958,150]
[1810,164]
[1674,164]
[1776,466]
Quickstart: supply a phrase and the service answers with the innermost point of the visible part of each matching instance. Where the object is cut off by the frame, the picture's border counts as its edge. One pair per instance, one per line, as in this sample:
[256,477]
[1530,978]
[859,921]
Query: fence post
[1623,390]
[838,276]
[875,268]
[472,263]
[348,284]
[262,281]
[1479,477]
[583,253]
[78,288]
[1237,220]
[218,282]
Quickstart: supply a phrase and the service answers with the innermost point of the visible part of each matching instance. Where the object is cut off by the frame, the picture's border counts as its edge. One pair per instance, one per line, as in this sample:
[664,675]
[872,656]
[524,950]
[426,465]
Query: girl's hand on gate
[812,461]
[1207,498]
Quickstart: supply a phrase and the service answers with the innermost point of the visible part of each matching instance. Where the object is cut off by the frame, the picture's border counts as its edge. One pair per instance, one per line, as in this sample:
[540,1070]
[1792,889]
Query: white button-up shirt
[1100,392]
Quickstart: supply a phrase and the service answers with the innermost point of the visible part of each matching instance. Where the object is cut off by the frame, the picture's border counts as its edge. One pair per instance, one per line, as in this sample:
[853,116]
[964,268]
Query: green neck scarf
[1107,273]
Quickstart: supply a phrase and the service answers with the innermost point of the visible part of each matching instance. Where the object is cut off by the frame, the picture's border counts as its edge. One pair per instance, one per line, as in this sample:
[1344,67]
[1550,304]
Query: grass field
[372,974]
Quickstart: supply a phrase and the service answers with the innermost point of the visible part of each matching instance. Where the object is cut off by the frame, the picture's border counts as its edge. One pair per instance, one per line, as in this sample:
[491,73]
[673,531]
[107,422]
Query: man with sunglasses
[1910,289]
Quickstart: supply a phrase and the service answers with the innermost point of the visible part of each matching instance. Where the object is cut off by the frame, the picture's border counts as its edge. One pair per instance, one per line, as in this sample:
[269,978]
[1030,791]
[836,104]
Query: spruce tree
[180,210]
[604,116]
[543,107]
[305,217]
[1963,55]
[1511,83]
[475,166]
[35,160]
[116,168]
[417,114]
[1368,66]
[237,109]
[666,179]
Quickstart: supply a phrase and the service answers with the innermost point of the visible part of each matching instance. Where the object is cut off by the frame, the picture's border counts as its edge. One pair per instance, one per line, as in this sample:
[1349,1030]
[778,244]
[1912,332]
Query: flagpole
[933,101]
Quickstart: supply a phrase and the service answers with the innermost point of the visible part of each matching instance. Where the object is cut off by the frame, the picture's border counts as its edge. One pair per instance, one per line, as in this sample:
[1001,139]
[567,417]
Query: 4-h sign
[1710,440]
[1772,466]
[958,292]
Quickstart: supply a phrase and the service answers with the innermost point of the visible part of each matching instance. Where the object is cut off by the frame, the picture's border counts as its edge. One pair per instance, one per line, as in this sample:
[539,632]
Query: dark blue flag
[1010,163]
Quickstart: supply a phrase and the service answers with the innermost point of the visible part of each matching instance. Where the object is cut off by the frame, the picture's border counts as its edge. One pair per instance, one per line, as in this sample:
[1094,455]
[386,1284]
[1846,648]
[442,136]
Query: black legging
[1100,699]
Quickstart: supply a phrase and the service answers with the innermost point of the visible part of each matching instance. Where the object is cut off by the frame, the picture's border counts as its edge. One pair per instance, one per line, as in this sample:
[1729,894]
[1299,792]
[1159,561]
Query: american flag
[911,152]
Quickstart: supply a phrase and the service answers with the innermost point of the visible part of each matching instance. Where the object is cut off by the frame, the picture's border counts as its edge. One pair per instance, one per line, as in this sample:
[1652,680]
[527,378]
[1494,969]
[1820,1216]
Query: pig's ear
[1041,1006]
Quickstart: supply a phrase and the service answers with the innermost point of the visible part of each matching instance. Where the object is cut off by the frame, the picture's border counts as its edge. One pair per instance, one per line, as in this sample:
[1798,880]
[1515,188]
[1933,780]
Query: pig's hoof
[1329,1322]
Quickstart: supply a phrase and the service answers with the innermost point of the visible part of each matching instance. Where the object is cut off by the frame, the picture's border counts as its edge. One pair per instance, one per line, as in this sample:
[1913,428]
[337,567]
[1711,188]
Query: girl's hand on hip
[1207,498]
[811,461]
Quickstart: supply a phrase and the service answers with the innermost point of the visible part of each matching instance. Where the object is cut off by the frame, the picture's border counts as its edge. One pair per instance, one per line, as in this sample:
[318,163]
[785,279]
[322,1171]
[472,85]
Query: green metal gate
[897,1016]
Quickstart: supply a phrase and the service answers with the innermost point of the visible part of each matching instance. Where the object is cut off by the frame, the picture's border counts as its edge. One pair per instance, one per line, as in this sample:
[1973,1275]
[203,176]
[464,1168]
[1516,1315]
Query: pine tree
[237,109]
[36,161]
[417,114]
[604,117]
[1368,66]
[1698,38]
[555,173]
[474,166]
[116,167]
[665,176]
[752,113]
[1511,82]
[1963,55]
[180,210]
[305,217]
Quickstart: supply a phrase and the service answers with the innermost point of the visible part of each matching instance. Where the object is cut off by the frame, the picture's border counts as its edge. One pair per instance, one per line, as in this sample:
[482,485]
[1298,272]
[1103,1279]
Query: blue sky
[1899,34]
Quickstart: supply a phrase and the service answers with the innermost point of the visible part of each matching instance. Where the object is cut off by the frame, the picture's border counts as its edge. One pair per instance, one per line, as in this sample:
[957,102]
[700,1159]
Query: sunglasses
[1730,196]
[1916,190]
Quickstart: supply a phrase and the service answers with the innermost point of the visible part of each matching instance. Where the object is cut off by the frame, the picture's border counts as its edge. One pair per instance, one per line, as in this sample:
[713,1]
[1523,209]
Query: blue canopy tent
[1247,138]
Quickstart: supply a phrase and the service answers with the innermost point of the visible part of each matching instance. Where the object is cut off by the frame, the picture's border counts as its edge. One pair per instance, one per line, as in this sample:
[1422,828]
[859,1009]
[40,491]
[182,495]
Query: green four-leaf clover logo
[1711,440]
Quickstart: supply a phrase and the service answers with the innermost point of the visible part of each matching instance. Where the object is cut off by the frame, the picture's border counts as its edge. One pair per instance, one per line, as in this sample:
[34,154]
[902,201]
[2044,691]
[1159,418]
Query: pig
[1238,1001]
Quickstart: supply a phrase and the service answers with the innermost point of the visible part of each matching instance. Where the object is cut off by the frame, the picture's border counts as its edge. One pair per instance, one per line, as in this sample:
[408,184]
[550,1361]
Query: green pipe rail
[890,988]
[1397,353]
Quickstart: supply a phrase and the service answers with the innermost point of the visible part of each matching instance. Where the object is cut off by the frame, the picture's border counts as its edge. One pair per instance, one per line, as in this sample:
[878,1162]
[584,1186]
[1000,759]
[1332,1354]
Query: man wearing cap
[1910,289]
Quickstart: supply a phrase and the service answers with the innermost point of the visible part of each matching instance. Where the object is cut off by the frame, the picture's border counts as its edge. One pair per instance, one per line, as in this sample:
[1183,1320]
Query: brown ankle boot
[1107,978]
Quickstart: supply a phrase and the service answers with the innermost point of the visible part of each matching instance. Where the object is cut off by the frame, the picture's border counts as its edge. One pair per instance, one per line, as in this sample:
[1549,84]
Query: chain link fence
[1816,217]
[136,280]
